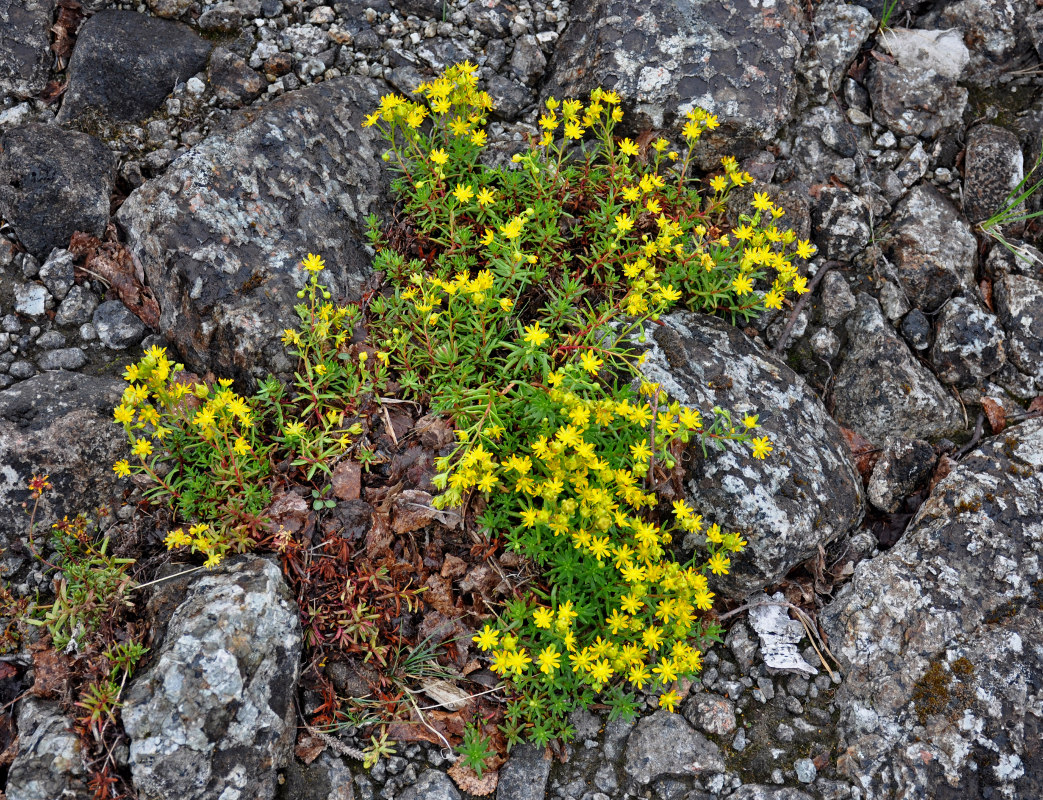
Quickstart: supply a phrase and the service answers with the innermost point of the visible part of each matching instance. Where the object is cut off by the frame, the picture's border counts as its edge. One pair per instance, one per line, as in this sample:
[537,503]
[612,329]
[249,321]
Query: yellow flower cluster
[593,501]
[200,538]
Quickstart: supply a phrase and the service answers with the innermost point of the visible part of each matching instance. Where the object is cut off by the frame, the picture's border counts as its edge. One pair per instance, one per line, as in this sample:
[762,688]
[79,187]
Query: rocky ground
[164,166]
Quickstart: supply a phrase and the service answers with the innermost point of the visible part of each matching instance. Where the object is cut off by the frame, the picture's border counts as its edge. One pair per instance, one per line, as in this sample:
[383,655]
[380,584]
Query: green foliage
[1013,212]
[475,750]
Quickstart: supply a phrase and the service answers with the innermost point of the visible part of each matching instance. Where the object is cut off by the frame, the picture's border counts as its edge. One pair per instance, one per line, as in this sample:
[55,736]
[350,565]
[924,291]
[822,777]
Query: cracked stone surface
[735,58]
[25,57]
[222,233]
[212,716]
[939,639]
[49,763]
[805,494]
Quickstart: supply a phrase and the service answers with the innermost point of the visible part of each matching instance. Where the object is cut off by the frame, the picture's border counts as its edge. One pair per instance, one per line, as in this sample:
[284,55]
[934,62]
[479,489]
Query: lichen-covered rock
[124,65]
[221,234]
[664,744]
[432,785]
[233,82]
[841,223]
[938,638]
[881,390]
[932,247]
[821,136]
[735,58]
[1019,305]
[901,468]
[49,763]
[53,183]
[993,167]
[840,31]
[25,57]
[918,94]
[212,717]
[755,792]
[524,776]
[804,494]
[57,424]
[969,344]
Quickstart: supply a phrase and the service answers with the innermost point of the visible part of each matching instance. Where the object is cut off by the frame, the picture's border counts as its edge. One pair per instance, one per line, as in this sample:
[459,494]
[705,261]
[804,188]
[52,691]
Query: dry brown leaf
[115,264]
[995,414]
[942,469]
[439,595]
[468,780]
[288,510]
[448,695]
[308,747]
[52,672]
[1036,406]
[347,480]
[986,294]
[379,536]
[863,452]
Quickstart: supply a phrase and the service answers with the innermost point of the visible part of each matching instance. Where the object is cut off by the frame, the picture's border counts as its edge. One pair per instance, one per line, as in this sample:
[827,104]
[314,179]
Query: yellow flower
[623,223]
[573,130]
[718,183]
[313,263]
[535,335]
[121,468]
[463,193]
[543,617]
[638,675]
[142,448]
[631,194]
[669,700]
[506,303]
[761,201]
[761,447]
[773,299]
[590,362]
[628,147]
[719,564]
[294,429]
[742,284]
[485,197]
[479,138]
[549,660]
[805,249]
[518,661]
[212,560]
[488,638]
[123,414]
[439,157]
[241,446]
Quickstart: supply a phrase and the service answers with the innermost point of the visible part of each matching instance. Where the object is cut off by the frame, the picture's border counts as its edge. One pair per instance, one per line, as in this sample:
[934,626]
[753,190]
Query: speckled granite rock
[432,785]
[735,58]
[969,344]
[524,776]
[664,744]
[212,717]
[53,183]
[58,424]
[939,638]
[840,31]
[1019,306]
[25,57]
[49,763]
[932,247]
[222,233]
[881,390]
[804,494]
[993,167]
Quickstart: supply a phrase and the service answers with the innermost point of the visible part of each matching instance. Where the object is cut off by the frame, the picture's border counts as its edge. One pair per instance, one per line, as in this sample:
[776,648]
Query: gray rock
[53,183]
[524,776]
[1019,306]
[758,792]
[825,344]
[893,301]
[63,358]
[914,166]
[804,494]
[49,763]
[299,176]
[50,340]
[841,223]
[59,424]
[233,82]
[882,391]
[213,716]
[992,167]
[663,745]
[171,9]
[938,637]
[432,785]
[77,308]
[664,58]
[805,769]
[57,273]
[222,18]
[821,136]
[442,52]
[1021,258]
[491,17]
[125,64]
[117,326]
[932,248]
[918,94]
[969,344]
[903,466]
[840,32]
[836,300]
[25,57]
[916,329]
[32,299]
[510,98]
[527,60]
[711,713]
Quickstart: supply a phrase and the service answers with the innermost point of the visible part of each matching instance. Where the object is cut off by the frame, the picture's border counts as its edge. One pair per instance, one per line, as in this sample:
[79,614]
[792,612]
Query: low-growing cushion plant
[514,305]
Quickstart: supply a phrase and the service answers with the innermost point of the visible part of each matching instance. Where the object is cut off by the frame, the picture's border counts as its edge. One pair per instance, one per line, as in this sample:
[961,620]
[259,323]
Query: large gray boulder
[664,744]
[221,234]
[882,390]
[125,64]
[804,494]
[213,717]
[735,58]
[54,182]
[57,424]
[25,56]
[49,763]
[939,638]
